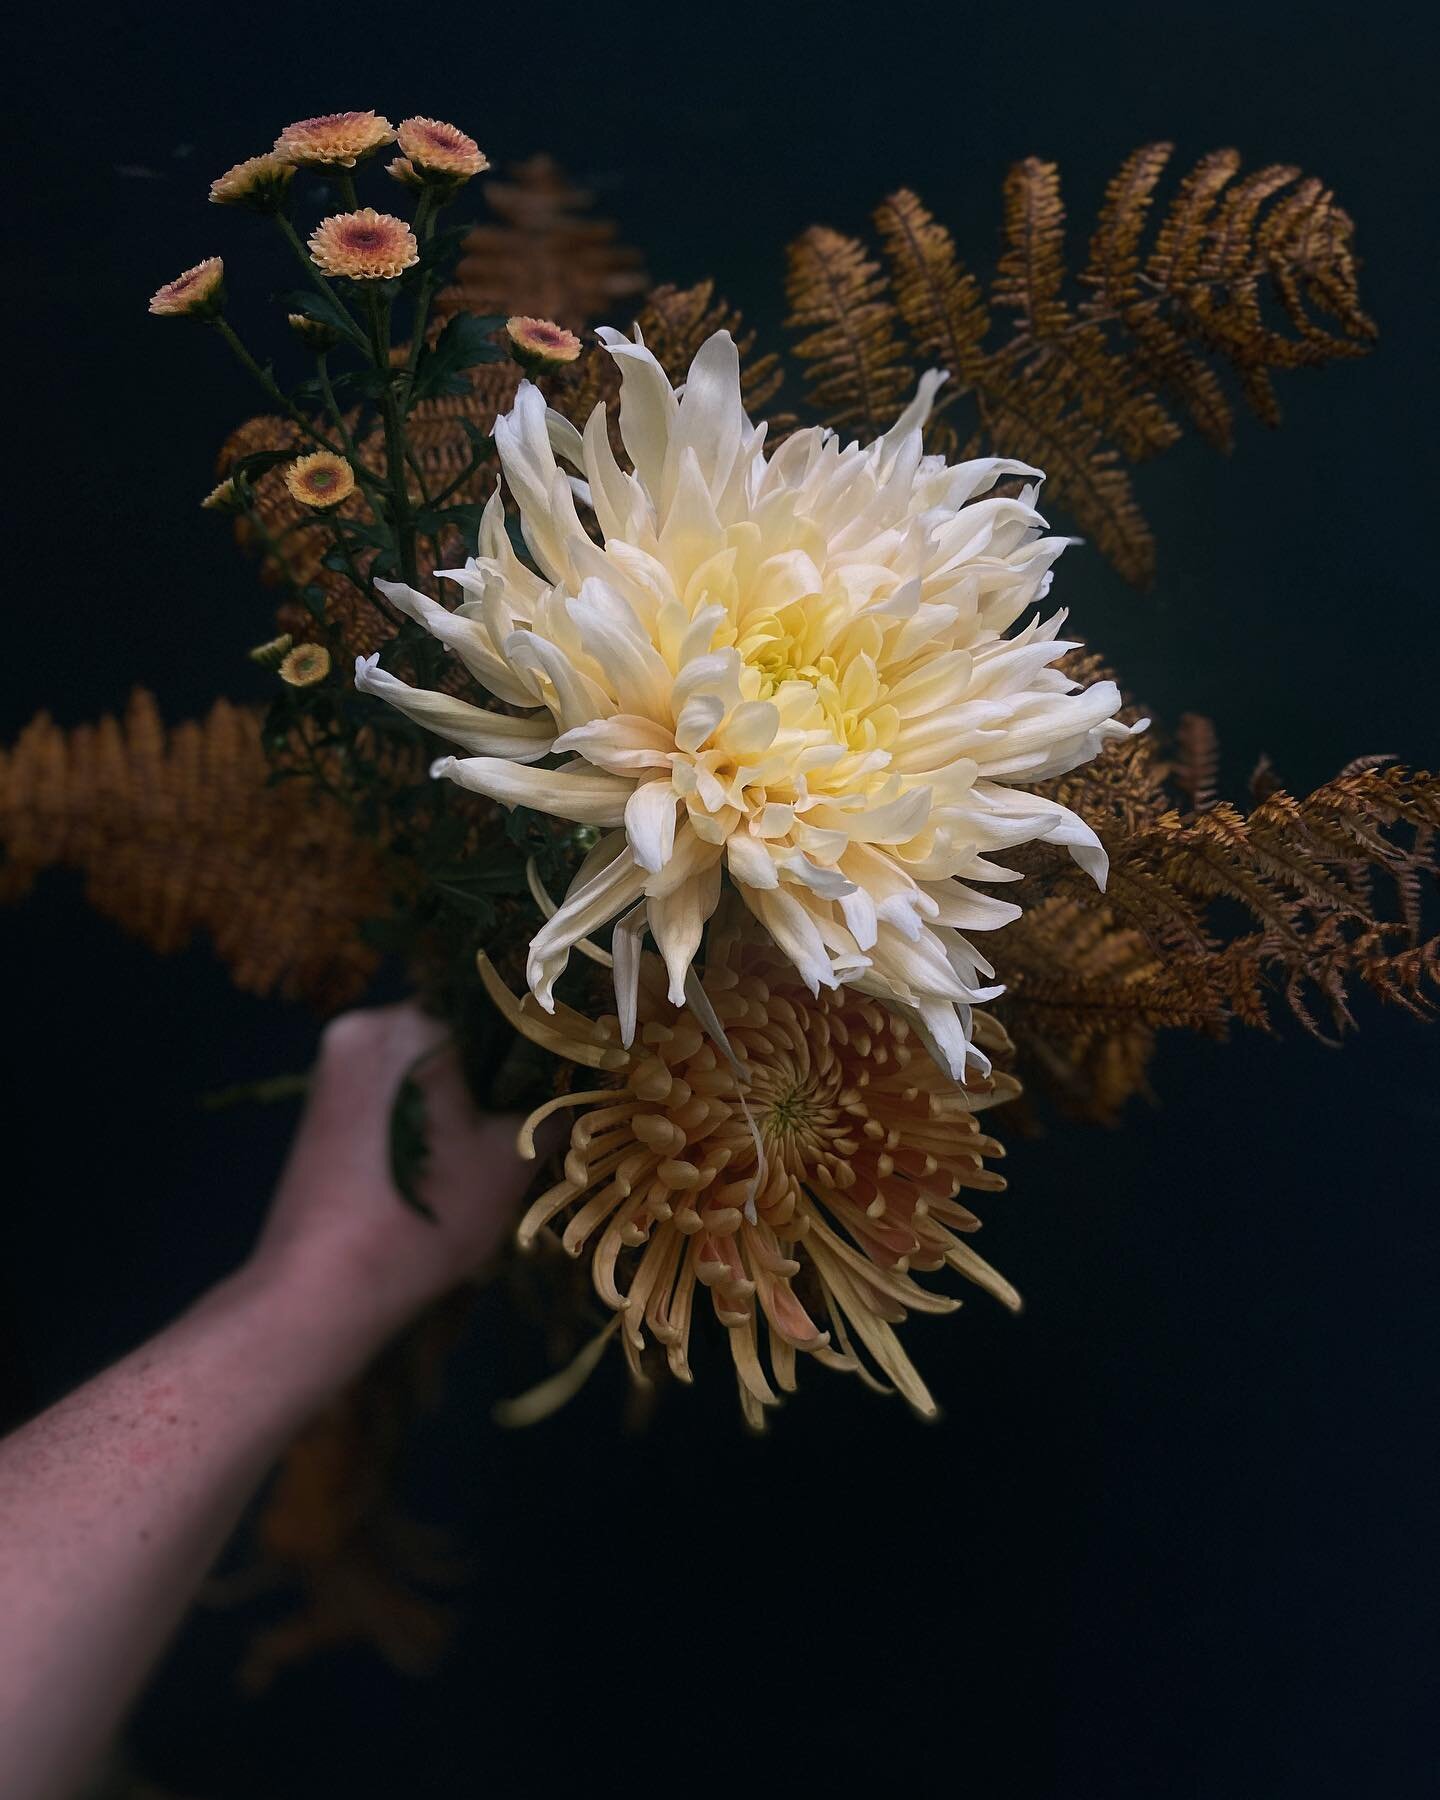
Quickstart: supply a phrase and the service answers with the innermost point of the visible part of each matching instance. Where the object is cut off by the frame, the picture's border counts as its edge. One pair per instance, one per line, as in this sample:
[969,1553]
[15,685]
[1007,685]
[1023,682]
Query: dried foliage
[177,833]
[1213,916]
[1084,377]
[543,253]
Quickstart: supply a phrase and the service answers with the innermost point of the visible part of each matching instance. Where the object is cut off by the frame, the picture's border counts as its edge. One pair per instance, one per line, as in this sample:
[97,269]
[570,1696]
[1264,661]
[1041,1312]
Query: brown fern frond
[1031,276]
[1197,760]
[840,301]
[1218,916]
[938,298]
[1033,413]
[1225,285]
[544,253]
[177,834]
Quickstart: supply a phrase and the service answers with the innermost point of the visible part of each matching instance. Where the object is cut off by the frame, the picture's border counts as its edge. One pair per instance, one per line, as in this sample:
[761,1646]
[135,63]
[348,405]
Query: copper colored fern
[1085,374]
[177,835]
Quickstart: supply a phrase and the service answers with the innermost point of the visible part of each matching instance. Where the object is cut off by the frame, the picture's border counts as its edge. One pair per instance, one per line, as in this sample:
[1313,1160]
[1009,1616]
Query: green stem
[366,475]
[346,182]
[401,516]
[427,211]
[474,467]
[316,279]
[267,382]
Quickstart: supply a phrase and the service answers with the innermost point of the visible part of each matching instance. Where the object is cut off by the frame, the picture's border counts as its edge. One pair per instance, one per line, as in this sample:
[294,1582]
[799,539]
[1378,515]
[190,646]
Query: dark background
[1174,1534]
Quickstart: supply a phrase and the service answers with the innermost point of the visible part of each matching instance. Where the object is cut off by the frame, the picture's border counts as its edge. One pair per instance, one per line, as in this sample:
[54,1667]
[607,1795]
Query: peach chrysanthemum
[401,169]
[364,246]
[315,334]
[200,291]
[224,497]
[803,1196]
[260,182]
[321,479]
[272,653]
[539,345]
[436,149]
[305,665]
[341,138]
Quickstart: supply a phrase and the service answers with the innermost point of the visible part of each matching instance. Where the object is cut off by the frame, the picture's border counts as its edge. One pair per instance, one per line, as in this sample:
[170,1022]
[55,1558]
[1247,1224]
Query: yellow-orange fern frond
[177,834]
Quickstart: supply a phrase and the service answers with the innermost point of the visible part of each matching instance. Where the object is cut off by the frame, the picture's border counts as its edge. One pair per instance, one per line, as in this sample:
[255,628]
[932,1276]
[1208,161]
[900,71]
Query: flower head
[260,182]
[401,169]
[802,1187]
[305,665]
[364,246]
[272,654]
[321,479]
[789,671]
[314,333]
[199,292]
[226,496]
[341,138]
[540,345]
[440,151]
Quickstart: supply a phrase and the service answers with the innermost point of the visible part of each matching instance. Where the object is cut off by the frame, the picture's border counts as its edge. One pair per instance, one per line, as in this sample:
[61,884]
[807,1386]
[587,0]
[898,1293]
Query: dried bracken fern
[543,253]
[1212,916]
[1238,274]
[177,833]
[839,301]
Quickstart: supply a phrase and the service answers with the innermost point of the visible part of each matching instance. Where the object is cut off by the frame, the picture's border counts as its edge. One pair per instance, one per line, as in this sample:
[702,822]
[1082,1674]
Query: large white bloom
[791,671]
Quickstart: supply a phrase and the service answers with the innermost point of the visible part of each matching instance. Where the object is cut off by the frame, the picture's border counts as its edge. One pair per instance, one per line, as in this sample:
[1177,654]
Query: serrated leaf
[258,462]
[318,306]
[468,339]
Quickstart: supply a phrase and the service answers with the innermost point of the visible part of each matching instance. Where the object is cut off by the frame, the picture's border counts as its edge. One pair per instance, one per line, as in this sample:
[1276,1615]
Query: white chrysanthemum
[789,671]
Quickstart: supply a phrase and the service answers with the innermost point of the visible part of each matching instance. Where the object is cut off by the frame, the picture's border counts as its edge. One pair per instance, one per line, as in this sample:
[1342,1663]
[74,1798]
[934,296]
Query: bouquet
[706,734]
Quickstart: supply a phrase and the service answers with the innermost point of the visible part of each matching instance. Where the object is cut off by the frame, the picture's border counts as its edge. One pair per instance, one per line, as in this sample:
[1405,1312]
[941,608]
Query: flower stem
[267,382]
[316,279]
[401,515]
[427,211]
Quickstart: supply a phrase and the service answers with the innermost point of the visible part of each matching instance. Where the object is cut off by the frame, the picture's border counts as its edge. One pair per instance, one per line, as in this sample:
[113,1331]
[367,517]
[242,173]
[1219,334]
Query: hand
[338,1231]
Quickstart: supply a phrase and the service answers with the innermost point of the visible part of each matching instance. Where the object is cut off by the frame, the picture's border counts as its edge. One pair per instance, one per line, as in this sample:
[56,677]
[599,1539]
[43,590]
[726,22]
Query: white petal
[650,823]
[587,799]
[480,732]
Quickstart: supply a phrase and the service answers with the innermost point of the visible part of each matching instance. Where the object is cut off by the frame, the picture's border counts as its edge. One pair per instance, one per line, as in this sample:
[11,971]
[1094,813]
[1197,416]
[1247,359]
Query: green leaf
[364,531]
[467,339]
[329,312]
[259,461]
[410,1143]
[436,254]
[314,599]
[464,517]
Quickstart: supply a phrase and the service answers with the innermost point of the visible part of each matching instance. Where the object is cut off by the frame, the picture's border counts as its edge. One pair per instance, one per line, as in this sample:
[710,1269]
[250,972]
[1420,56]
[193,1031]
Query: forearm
[114,1503]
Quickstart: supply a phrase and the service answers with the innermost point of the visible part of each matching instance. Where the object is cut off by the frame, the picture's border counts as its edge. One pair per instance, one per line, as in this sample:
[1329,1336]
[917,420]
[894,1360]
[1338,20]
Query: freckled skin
[114,1503]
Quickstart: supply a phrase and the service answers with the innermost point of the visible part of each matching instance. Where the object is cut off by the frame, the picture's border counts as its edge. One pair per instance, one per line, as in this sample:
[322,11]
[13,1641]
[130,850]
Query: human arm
[114,1503]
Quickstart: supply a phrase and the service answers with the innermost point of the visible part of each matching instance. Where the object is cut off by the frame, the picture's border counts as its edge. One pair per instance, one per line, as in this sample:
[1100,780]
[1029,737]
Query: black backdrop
[1173,1534]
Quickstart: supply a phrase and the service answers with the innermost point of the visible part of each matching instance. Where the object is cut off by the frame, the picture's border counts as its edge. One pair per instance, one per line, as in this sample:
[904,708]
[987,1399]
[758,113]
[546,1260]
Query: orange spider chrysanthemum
[364,246]
[199,292]
[321,479]
[802,1185]
[260,182]
[341,138]
[540,345]
[434,148]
